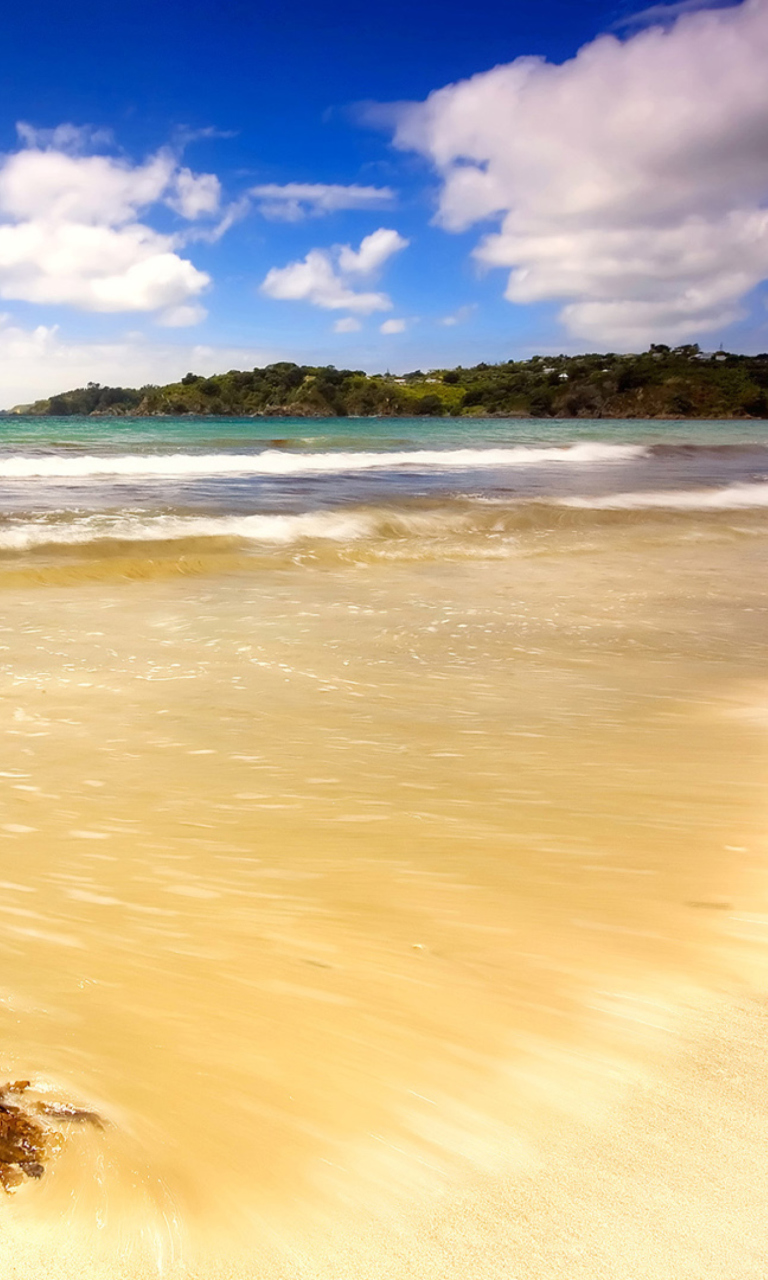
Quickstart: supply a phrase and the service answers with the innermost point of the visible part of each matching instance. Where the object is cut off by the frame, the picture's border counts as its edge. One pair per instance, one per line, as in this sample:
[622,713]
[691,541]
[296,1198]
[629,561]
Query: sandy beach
[392,887]
[667,1179]
[383,640]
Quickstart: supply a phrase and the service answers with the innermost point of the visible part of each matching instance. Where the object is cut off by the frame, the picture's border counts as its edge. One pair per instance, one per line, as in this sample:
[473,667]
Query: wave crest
[273,462]
[489,525]
[734,497]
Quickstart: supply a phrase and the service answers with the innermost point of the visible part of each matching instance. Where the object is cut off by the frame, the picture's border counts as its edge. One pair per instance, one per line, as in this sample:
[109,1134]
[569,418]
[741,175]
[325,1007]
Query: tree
[429,406]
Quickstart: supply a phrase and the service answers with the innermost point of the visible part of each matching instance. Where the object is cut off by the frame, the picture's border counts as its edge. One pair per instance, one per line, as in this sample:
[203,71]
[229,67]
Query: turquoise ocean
[77,482]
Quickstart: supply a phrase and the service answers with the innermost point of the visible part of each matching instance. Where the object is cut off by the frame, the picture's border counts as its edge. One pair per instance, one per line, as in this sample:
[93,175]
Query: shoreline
[405,914]
[293,414]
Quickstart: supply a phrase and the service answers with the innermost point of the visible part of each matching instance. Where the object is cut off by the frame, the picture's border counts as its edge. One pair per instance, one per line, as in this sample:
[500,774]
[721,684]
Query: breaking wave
[488,521]
[734,497]
[277,463]
[337,526]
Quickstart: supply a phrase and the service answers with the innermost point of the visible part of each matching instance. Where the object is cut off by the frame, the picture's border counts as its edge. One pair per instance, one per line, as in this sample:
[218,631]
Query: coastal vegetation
[663,382]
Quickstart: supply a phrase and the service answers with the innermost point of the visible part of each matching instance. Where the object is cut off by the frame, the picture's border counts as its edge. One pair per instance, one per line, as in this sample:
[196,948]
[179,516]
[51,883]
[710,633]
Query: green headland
[663,382]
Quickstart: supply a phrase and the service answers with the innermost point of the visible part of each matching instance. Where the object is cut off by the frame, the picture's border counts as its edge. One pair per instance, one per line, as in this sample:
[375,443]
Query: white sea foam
[351,525]
[275,462]
[734,497]
[277,529]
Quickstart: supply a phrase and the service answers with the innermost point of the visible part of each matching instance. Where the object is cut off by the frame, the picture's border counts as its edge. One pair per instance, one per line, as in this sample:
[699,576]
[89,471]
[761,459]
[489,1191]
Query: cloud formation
[347,324]
[393,326]
[293,201]
[194,195]
[71,231]
[65,137]
[373,252]
[630,182]
[322,277]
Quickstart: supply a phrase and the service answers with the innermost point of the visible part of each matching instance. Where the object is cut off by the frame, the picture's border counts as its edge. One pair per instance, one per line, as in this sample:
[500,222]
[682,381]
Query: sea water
[376,799]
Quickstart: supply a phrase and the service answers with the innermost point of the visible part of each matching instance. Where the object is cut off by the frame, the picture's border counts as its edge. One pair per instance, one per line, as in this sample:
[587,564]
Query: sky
[202,186]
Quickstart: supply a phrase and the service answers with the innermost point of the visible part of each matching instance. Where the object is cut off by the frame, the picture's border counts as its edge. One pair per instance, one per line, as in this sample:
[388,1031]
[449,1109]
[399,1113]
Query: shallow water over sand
[368,829]
[329,889]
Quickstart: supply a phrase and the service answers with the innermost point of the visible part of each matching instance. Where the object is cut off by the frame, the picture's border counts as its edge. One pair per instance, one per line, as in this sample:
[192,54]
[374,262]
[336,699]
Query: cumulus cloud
[347,324]
[193,195]
[393,326]
[373,252]
[292,201]
[315,280]
[71,229]
[630,182]
[39,362]
[321,278]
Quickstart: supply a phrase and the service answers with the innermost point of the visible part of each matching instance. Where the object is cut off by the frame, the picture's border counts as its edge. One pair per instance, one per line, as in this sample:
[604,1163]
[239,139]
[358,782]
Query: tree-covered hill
[680,382]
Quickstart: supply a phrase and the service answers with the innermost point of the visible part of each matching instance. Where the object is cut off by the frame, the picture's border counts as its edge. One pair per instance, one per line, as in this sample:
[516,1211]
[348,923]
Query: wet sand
[399,918]
[667,1181]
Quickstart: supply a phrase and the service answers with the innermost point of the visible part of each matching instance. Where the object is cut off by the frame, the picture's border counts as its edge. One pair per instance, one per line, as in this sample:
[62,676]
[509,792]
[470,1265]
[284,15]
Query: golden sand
[399,919]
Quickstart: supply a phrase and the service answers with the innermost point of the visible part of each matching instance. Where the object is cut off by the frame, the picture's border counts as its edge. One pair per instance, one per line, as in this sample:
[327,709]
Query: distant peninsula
[663,382]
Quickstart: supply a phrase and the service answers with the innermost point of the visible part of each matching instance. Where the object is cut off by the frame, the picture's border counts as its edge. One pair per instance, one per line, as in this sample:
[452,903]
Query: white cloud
[320,277]
[630,182]
[65,137]
[315,280]
[292,201]
[393,326]
[348,324]
[35,363]
[194,195]
[58,187]
[212,233]
[182,317]
[373,252]
[71,231]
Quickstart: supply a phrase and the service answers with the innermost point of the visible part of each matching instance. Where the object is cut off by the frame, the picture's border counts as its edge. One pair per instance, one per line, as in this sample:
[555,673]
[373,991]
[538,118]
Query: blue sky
[206,185]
